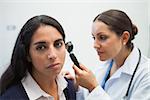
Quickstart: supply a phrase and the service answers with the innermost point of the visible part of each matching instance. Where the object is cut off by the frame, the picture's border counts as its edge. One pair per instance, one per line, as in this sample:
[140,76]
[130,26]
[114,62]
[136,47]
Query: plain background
[76,17]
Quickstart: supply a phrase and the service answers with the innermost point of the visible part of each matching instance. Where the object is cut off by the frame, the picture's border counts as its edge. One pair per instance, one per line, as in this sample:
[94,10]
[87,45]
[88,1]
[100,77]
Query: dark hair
[118,21]
[19,64]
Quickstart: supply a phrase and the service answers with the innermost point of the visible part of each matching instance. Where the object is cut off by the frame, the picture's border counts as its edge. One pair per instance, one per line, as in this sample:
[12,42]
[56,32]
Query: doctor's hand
[69,76]
[85,77]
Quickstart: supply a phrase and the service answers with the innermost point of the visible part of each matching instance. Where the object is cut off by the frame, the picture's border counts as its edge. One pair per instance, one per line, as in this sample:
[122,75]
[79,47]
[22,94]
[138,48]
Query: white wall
[149,26]
[76,18]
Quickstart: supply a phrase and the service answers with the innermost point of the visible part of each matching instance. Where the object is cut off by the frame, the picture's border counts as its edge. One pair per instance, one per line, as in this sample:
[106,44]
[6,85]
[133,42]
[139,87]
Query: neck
[119,60]
[121,57]
[47,84]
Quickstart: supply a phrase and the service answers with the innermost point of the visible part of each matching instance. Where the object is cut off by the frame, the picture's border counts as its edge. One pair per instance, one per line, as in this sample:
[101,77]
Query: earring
[124,43]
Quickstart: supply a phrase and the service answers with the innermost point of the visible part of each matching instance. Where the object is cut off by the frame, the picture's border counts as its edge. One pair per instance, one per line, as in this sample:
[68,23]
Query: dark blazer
[17,92]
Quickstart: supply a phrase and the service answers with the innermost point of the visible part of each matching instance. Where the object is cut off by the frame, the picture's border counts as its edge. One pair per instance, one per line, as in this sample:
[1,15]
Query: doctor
[126,75]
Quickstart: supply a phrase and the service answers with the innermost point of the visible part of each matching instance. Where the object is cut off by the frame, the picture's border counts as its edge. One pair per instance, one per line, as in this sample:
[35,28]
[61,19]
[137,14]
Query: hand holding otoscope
[69,47]
[86,74]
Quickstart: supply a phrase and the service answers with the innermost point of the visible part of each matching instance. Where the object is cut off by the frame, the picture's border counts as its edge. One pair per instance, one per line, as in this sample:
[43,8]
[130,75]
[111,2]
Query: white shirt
[116,86]
[34,91]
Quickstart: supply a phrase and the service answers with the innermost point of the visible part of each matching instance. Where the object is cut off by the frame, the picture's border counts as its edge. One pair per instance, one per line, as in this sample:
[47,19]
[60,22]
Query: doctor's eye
[102,38]
[93,37]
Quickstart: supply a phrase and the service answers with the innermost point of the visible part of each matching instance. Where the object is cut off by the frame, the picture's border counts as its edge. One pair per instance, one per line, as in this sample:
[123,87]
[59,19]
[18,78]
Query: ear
[29,58]
[125,37]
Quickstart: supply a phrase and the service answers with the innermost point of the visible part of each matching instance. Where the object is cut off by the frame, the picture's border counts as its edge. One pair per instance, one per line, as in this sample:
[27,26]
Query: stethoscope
[108,72]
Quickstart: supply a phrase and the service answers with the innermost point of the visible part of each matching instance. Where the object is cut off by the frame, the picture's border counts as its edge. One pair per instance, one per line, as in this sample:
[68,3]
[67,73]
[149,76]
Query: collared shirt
[116,86]
[34,91]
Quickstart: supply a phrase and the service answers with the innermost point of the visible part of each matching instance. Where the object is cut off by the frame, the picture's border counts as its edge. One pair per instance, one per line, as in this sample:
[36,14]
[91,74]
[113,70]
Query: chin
[102,58]
[58,71]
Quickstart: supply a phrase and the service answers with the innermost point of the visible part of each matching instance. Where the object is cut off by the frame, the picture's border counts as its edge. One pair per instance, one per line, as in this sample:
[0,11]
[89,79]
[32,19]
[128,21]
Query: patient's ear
[29,58]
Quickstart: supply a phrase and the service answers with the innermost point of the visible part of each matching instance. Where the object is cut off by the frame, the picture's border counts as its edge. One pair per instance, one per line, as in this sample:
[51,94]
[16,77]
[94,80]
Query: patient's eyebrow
[40,42]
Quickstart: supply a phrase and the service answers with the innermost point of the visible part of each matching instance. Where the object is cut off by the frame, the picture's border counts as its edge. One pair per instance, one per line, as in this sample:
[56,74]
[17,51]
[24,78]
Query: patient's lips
[55,65]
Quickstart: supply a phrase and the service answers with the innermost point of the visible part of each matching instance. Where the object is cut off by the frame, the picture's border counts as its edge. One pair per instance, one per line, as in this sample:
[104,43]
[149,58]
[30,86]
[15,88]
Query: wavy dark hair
[118,21]
[19,64]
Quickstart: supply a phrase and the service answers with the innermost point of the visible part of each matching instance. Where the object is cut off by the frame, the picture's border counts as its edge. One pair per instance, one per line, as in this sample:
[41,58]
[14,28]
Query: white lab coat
[116,86]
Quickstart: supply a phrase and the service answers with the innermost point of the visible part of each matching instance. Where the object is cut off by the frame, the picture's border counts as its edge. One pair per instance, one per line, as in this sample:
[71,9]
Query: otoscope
[69,47]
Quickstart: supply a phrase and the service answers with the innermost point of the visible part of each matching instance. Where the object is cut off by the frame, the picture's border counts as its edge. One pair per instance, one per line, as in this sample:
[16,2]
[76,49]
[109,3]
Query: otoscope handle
[74,59]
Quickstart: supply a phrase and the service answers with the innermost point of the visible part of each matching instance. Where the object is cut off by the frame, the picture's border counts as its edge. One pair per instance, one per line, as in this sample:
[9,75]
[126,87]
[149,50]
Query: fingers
[81,69]
[64,72]
[84,68]
[69,77]
[77,70]
[67,74]
[85,77]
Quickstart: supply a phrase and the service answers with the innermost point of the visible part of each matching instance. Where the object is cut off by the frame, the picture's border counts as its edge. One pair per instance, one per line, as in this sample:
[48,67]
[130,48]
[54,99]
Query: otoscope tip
[69,46]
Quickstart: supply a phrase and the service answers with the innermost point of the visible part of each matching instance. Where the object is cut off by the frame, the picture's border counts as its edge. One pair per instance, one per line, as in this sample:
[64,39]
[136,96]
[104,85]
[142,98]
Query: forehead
[46,33]
[99,27]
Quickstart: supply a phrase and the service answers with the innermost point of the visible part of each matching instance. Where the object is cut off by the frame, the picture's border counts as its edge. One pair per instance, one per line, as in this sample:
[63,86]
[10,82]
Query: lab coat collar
[131,62]
[129,65]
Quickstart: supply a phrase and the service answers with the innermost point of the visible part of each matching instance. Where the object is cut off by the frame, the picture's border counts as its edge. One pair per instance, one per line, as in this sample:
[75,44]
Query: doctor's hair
[118,22]
[20,64]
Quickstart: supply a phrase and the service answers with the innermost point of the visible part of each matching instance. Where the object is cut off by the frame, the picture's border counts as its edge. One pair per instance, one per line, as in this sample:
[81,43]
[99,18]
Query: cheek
[36,59]
[62,55]
[114,48]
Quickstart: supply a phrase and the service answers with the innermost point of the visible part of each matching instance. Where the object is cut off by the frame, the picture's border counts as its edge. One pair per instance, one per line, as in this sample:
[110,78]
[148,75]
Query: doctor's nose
[96,44]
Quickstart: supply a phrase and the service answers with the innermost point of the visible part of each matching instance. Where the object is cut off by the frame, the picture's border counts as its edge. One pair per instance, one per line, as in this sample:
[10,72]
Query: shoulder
[70,91]
[16,92]
[142,75]
[144,65]
[70,85]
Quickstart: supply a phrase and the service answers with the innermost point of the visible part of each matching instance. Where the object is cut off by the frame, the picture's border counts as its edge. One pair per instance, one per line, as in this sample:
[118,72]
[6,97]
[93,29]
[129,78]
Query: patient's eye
[41,47]
[58,43]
